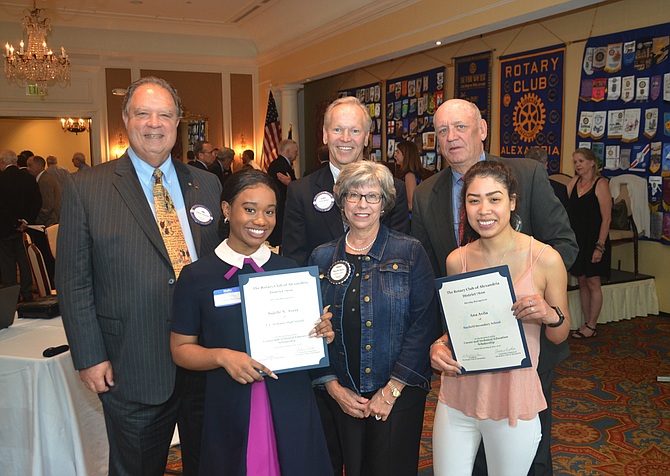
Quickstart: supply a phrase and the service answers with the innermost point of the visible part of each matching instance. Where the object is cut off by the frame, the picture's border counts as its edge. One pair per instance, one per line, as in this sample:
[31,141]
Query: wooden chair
[620,237]
[561,178]
[52,236]
[37,268]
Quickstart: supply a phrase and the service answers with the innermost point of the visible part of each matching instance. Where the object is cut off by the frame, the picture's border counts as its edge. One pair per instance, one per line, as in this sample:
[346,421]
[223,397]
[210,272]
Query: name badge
[339,272]
[201,214]
[323,201]
[227,297]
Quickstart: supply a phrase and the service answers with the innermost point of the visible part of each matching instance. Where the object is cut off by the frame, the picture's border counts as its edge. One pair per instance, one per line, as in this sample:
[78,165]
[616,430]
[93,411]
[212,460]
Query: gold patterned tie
[168,222]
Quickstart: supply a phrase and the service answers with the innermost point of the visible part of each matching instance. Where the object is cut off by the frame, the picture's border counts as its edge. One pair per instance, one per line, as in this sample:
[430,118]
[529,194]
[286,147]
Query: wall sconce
[120,148]
[242,146]
[75,125]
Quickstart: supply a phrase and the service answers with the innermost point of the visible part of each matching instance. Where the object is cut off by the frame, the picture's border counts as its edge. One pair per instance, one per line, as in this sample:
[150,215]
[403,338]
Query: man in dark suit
[20,201]
[461,131]
[204,155]
[560,190]
[222,166]
[311,217]
[115,281]
[281,171]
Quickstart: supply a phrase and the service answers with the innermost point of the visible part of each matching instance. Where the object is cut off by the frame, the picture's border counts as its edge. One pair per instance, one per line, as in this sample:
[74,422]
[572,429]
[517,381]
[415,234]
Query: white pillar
[289,115]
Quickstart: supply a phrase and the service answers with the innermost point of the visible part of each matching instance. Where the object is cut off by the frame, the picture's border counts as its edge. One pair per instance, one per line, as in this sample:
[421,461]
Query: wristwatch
[394,390]
[561,317]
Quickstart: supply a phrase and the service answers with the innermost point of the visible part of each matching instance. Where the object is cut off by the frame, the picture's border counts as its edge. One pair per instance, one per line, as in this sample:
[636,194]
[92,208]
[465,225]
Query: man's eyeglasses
[371,198]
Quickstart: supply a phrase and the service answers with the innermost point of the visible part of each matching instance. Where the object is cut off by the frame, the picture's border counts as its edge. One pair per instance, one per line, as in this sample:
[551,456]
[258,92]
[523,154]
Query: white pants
[510,450]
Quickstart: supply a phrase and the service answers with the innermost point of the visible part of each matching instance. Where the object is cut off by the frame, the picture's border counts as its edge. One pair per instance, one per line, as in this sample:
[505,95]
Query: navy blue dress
[301,445]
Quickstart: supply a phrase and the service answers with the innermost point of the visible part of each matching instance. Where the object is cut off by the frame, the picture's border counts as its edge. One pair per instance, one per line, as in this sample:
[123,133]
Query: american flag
[272,135]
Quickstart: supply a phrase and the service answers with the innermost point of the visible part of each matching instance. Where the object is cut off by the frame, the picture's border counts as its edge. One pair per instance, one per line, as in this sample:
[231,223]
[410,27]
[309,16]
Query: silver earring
[225,220]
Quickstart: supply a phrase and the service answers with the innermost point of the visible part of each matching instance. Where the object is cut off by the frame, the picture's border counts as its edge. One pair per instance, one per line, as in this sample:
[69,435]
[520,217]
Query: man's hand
[98,378]
[284,178]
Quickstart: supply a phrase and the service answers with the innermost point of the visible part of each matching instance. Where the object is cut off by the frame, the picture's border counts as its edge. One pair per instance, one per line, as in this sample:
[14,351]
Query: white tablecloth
[620,301]
[50,424]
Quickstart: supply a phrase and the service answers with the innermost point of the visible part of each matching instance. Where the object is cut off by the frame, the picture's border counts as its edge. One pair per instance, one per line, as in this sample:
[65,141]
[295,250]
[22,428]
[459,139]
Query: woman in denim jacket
[379,284]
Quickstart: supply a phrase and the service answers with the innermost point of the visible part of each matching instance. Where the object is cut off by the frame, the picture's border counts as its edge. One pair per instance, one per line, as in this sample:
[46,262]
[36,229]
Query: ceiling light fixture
[75,125]
[37,64]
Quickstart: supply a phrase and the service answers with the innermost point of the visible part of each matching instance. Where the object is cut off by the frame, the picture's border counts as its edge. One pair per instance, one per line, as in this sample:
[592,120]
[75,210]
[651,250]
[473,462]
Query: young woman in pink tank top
[500,407]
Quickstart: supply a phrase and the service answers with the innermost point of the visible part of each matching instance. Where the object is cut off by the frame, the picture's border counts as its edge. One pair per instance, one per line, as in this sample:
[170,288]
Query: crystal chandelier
[37,64]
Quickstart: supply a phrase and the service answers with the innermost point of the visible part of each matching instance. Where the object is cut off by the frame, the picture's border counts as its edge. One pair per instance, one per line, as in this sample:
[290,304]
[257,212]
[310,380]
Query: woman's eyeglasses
[371,198]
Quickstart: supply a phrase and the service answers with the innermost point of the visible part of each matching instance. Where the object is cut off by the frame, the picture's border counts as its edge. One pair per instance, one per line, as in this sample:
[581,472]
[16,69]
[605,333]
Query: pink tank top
[513,394]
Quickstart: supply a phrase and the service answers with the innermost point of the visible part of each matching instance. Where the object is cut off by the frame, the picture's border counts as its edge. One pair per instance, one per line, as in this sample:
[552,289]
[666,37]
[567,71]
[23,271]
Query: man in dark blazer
[20,203]
[560,190]
[204,155]
[311,217]
[222,165]
[115,283]
[461,131]
[281,171]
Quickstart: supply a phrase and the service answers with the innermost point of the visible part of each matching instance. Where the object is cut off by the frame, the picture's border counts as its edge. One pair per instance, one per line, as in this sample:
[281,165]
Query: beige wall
[242,120]
[44,137]
[572,29]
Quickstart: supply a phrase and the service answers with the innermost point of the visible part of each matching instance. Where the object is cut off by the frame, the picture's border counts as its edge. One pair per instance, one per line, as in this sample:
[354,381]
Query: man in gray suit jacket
[48,215]
[115,283]
[461,131]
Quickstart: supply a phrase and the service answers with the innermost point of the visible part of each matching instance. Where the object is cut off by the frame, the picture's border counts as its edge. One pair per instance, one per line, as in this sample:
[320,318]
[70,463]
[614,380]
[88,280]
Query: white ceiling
[266,24]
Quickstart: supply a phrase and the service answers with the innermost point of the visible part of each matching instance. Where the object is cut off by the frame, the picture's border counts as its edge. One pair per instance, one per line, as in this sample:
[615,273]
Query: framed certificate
[280,308]
[483,333]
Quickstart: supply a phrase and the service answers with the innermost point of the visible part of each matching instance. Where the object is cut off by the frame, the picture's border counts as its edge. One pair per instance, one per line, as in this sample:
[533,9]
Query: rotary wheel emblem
[529,117]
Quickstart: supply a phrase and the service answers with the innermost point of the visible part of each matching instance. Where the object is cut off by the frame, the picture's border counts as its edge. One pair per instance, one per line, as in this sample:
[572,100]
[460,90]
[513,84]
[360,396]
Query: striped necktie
[169,225]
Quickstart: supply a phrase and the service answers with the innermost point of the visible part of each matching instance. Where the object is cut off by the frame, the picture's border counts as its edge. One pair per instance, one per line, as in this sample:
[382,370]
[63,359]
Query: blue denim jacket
[399,317]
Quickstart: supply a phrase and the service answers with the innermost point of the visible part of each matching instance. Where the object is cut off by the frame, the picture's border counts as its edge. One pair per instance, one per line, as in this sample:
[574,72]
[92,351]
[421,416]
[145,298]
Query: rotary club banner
[472,82]
[623,113]
[531,109]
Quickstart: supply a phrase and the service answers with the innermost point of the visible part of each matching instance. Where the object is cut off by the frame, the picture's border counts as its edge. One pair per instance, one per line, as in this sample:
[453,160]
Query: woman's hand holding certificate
[281,316]
[483,331]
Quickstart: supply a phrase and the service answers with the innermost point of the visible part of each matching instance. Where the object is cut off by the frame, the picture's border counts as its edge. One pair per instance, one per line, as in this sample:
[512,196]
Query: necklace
[504,256]
[346,239]
[583,188]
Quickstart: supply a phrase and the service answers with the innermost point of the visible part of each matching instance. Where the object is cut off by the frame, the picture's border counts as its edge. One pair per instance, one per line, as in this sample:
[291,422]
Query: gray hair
[80,156]
[52,160]
[285,144]
[9,157]
[156,82]
[366,173]
[352,101]
[537,153]
[225,153]
[39,161]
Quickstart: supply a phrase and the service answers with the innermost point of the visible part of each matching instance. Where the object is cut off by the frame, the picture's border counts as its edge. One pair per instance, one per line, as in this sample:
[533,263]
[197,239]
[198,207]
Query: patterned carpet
[611,416]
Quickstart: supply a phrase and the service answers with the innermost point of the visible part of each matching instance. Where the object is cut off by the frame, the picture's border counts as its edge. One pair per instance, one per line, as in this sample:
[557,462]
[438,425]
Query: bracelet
[600,246]
[441,342]
[384,397]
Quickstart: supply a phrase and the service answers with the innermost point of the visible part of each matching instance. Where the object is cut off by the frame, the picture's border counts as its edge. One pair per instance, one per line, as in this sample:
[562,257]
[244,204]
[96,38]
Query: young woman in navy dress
[253,425]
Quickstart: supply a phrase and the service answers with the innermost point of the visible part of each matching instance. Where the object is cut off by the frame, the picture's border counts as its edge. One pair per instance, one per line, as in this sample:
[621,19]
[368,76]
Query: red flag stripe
[272,134]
